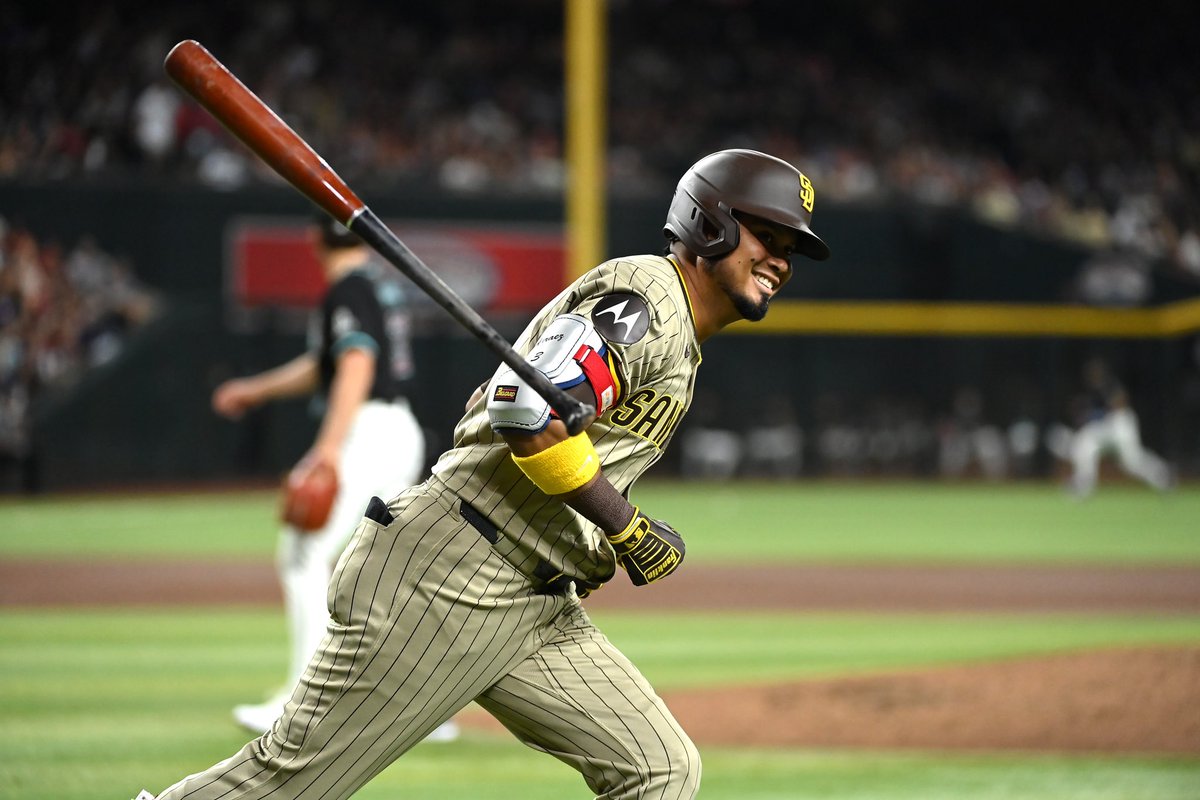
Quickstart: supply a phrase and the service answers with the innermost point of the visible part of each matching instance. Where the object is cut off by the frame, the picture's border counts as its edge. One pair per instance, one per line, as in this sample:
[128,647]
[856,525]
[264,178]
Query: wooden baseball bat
[206,79]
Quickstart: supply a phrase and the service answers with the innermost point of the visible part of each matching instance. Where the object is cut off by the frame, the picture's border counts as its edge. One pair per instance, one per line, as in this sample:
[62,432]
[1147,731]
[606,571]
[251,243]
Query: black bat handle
[575,414]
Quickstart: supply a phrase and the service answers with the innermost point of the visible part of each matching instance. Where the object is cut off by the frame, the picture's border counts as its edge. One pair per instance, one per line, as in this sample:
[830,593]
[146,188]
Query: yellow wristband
[563,467]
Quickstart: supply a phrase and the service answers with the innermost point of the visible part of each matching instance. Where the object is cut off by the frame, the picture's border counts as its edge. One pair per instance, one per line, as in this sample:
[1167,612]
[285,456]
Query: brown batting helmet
[748,181]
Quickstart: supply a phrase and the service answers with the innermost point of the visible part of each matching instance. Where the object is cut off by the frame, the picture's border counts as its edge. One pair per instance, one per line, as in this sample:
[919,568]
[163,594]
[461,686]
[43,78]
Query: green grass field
[747,522]
[97,703]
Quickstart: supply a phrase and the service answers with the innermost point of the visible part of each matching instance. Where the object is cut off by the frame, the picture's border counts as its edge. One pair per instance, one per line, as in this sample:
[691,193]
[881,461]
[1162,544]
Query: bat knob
[578,417]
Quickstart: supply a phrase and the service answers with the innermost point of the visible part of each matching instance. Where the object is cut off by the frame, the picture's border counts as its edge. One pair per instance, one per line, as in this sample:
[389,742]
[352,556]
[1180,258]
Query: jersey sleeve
[355,319]
[641,312]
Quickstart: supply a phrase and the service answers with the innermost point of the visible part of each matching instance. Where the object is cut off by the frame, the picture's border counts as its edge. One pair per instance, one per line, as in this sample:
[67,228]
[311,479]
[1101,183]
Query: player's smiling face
[757,269]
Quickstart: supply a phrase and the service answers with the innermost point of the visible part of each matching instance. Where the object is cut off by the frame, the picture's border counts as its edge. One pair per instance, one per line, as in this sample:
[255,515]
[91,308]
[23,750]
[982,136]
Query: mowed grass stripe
[734,522]
[63,657]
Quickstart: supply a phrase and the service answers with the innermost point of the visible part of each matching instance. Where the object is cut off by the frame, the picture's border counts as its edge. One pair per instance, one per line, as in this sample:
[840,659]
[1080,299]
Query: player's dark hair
[334,234]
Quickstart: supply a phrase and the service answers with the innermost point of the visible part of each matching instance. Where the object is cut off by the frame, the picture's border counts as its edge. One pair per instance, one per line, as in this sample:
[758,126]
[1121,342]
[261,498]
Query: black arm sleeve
[601,503]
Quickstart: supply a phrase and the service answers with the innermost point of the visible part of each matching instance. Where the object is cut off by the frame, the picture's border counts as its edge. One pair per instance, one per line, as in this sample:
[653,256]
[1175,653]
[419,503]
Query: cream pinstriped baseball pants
[426,617]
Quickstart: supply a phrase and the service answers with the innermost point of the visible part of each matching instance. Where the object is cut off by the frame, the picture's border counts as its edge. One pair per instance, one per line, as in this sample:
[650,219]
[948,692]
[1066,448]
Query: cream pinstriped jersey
[657,375]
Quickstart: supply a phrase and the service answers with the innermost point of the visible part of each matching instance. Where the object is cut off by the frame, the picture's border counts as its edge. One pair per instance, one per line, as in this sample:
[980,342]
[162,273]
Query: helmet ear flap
[724,225]
[707,232]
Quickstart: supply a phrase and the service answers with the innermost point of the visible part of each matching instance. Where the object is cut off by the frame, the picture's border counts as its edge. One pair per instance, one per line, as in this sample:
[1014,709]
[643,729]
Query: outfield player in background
[359,369]
[468,587]
[1110,425]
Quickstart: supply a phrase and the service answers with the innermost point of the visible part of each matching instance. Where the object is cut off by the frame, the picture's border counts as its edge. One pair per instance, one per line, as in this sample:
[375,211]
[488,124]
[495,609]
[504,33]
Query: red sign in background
[493,269]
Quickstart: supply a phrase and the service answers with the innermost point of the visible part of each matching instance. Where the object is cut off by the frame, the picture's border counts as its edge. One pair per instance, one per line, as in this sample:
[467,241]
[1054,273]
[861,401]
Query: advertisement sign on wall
[270,264]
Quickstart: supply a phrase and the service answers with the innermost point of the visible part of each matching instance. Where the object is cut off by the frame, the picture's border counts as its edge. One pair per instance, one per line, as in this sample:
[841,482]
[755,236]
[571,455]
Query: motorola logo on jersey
[621,318]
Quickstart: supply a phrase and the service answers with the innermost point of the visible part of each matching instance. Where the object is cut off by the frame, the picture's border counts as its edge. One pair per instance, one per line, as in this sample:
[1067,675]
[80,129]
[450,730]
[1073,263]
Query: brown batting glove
[649,550]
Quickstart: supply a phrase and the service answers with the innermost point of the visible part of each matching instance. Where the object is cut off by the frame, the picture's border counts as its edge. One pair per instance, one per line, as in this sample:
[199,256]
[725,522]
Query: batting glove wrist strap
[649,550]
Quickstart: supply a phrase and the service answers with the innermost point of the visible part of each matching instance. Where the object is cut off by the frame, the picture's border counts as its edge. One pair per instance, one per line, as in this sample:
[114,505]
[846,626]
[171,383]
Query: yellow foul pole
[585,132]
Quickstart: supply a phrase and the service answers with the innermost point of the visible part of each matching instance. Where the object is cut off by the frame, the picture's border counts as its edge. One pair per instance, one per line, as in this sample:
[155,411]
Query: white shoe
[144,795]
[258,718]
[446,732]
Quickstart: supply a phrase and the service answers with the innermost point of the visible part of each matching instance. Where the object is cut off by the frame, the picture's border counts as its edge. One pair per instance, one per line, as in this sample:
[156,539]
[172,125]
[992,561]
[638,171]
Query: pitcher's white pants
[383,454]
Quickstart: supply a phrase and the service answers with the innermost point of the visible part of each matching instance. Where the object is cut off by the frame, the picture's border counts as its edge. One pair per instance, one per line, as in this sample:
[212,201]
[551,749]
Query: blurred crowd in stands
[878,436]
[62,311]
[967,436]
[1020,110]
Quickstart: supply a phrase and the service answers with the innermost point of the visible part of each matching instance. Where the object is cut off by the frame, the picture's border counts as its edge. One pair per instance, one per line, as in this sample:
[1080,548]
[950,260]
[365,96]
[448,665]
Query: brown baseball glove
[308,495]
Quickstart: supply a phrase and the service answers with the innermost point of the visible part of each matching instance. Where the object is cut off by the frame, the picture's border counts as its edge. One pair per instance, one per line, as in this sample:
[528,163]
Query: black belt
[549,580]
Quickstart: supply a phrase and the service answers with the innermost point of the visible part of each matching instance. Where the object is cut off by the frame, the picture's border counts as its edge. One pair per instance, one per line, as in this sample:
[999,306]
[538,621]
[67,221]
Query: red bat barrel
[248,118]
[258,127]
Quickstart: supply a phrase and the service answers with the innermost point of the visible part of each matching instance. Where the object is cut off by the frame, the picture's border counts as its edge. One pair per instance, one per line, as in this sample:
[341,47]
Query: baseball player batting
[468,587]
